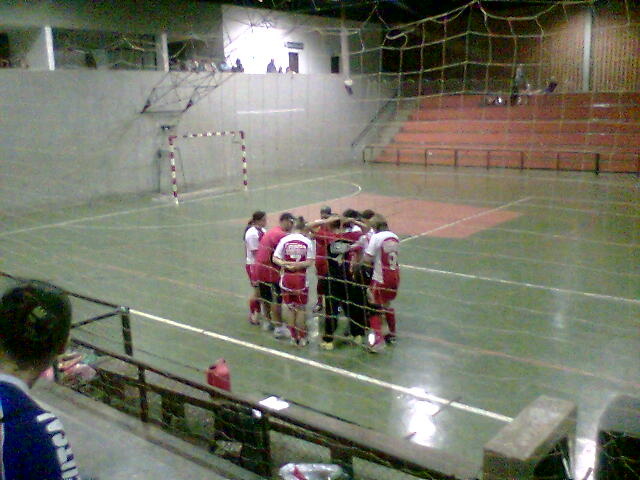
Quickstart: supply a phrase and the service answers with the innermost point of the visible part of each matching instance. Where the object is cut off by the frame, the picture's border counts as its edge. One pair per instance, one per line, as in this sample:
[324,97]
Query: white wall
[70,136]
[258,35]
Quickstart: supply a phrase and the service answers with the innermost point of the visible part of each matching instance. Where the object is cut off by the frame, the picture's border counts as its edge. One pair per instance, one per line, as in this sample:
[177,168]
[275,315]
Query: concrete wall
[70,136]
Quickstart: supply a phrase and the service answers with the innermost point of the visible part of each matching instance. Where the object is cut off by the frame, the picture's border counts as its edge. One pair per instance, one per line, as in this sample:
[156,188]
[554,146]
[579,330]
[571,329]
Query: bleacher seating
[594,132]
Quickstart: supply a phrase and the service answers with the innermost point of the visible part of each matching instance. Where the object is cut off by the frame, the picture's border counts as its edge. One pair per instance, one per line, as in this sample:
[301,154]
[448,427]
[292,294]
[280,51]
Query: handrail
[457,148]
[373,120]
[345,440]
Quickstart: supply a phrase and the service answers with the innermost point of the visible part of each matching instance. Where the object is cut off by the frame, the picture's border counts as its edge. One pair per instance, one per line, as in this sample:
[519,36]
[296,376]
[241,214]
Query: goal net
[205,162]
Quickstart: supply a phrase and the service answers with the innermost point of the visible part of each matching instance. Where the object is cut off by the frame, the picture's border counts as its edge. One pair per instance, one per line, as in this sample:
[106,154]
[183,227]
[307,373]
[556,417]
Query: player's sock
[376,325]
[391,320]
[254,305]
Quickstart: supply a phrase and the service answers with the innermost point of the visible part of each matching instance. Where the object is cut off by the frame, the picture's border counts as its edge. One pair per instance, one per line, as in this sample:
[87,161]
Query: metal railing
[521,152]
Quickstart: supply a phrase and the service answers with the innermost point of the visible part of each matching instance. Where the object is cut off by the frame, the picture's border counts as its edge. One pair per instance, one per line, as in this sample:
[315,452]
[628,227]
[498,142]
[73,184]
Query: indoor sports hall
[518,213]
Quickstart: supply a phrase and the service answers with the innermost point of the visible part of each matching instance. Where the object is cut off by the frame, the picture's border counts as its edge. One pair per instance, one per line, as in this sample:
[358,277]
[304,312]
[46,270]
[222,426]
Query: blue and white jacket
[33,444]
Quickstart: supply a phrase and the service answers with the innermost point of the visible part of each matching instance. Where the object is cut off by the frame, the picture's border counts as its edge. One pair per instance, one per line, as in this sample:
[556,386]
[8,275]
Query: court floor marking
[165,205]
[566,237]
[323,366]
[580,210]
[599,296]
[469,217]
[532,260]
[586,200]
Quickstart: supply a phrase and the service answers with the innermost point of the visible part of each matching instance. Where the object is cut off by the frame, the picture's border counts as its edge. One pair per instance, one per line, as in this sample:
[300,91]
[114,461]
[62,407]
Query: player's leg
[266,297]
[375,340]
[320,289]
[288,316]
[331,302]
[301,318]
[254,303]
[390,315]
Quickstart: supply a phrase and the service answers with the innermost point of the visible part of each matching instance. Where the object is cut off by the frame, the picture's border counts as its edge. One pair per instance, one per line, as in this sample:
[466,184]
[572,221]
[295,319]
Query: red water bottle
[219,376]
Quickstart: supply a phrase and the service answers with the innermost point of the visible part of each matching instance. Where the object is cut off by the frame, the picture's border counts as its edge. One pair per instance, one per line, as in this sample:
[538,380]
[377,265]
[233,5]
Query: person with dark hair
[338,241]
[321,262]
[382,253]
[271,67]
[268,274]
[252,234]
[359,280]
[294,254]
[238,66]
[35,319]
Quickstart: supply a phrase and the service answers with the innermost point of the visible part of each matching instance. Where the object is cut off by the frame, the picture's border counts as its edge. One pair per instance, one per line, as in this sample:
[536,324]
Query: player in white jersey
[382,253]
[252,235]
[294,254]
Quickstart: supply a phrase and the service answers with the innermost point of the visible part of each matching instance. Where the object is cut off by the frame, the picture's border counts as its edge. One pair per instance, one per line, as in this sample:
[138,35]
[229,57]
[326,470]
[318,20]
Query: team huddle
[356,263]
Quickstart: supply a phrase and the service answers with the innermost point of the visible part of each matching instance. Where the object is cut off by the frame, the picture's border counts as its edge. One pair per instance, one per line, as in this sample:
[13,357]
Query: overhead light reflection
[420,425]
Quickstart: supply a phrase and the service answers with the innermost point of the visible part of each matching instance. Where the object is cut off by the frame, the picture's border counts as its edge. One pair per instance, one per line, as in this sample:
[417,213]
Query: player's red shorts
[295,293]
[251,273]
[380,293]
[295,298]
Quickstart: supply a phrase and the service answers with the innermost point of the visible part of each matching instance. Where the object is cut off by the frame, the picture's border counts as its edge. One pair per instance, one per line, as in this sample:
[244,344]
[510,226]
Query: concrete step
[567,99]
[516,126]
[530,112]
[627,142]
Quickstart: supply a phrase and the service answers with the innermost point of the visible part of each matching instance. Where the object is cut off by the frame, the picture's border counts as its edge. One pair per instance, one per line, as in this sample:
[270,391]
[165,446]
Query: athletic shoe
[254,319]
[358,339]
[281,332]
[294,341]
[377,347]
[390,338]
[267,326]
[326,345]
[303,342]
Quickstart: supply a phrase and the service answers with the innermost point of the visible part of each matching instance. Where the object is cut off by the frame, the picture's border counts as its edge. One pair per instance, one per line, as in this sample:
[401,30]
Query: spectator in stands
[519,85]
[238,66]
[271,67]
[35,318]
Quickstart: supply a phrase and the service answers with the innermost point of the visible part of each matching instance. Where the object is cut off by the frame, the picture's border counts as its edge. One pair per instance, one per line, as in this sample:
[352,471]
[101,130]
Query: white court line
[470,217]
[153,207]
[329,368]
[524,284]
[566,237]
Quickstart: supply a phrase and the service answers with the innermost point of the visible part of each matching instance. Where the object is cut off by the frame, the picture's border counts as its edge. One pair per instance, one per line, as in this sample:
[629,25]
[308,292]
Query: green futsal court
[514,284]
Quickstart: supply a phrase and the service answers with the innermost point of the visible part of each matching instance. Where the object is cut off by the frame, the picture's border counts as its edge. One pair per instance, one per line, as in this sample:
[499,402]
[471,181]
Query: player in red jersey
[252,235]
[382,253]
[295,253]
[321,261]
[338,242]
[267,273]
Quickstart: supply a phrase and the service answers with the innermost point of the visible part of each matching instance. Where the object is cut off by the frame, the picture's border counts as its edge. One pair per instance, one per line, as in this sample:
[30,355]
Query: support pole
[586,52]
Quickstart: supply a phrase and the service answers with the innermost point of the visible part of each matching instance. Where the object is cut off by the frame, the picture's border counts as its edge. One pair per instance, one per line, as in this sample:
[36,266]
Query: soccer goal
[200,165]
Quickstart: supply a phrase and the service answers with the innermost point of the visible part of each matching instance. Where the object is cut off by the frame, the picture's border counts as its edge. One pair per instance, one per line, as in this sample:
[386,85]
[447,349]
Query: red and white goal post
[172,155]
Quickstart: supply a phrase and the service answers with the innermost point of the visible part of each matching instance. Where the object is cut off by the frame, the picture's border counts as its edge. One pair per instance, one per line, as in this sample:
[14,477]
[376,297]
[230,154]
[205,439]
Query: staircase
[590,132]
